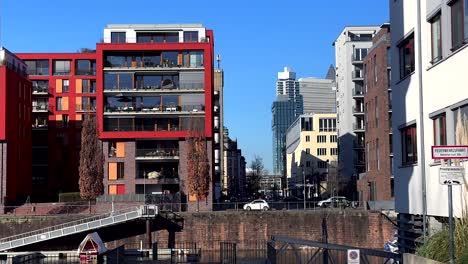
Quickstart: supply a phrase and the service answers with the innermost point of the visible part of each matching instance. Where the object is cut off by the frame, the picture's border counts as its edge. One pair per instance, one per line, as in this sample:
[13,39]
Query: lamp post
[304,186]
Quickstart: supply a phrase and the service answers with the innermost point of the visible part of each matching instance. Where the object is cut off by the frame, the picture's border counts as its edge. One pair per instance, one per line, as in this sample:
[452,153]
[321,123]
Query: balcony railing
[357,75]
[356,59]
[358,92]
[158,152]
[159,180]
[40,108]
[155,88]
[85,108]
[40,90]
[141,128]
[358,110]
[358,126]
[60,73]
[134,40]
[155,109]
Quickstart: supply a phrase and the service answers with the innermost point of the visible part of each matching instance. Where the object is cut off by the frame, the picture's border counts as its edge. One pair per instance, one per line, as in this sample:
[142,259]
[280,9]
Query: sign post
[450,175]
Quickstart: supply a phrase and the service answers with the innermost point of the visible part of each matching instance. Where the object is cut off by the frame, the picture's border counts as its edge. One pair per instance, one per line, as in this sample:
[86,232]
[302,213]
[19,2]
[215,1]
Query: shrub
[69,197]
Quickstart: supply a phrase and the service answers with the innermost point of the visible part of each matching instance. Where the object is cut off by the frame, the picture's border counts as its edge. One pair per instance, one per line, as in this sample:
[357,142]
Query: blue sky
[256,39]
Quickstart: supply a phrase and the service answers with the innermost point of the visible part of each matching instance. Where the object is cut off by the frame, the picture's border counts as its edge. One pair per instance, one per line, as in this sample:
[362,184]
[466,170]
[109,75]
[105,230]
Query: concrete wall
[413,259]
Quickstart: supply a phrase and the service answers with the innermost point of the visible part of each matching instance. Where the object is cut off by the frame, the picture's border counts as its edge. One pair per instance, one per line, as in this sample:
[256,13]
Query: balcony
[155,88]
[357,75]
[85,72]
[357,127]
[358,144]
[40,108]
[357,59]
[358,93]
[158,180]
[85,108]
[156,109]
[358,110]
[157,153]
[38,90]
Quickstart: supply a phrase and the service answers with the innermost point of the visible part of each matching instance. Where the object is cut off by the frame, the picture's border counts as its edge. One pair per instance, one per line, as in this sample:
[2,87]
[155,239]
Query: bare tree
[91,161]
[255,174]
[198,166]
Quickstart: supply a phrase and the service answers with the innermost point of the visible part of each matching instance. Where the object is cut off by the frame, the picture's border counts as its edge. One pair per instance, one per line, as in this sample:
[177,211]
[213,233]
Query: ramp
[79,226]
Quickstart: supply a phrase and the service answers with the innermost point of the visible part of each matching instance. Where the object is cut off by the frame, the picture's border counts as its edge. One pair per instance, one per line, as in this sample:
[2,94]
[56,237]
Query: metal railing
[85,108]
[358,126]
[157,152]
[64,225]
[149,109]
[358,92]
[357,75]
[40,108]
[358,110]
[40,90]
[156,88]
[135,40]
[86,72]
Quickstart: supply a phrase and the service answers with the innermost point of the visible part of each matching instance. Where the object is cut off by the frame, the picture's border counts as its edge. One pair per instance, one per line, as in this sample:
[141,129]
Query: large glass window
[406,49]
[65,86]
[327,124]
[191,36]
[152,37]
[440,135]
[436,40]
[459,9]
[409,145]
[118,37]
[193,59]
[40,86]
[62,67]
[118,81]
[169,58]
[85,67]
[37,67]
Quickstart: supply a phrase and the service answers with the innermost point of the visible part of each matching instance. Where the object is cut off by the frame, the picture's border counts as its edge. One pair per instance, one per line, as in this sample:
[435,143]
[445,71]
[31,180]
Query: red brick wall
[380,130]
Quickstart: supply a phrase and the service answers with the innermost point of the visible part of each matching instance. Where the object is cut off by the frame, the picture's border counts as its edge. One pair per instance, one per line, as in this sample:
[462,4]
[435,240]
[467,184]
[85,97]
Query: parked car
[257,205]
[335,201]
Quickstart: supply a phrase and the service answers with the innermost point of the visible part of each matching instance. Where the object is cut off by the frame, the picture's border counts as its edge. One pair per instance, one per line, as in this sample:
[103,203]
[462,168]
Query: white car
[335,201]
[257,205]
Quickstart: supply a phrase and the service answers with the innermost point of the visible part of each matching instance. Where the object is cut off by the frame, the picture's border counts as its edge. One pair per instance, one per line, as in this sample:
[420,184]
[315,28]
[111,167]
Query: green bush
[437,246]
[70,197]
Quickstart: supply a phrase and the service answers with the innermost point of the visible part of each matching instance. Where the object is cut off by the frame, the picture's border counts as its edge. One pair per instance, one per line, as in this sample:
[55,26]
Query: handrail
[64,225]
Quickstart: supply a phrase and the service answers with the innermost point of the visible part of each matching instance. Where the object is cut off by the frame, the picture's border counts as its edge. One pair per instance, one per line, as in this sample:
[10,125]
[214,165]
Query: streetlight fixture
[304,186]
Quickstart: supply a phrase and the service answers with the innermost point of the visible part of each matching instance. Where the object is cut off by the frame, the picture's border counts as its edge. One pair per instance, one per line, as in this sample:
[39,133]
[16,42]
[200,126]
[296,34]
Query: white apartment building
[350,49]
[430,106]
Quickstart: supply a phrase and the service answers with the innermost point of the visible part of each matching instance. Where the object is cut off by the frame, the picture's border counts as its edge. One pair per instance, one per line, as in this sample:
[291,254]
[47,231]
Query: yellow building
[311,154]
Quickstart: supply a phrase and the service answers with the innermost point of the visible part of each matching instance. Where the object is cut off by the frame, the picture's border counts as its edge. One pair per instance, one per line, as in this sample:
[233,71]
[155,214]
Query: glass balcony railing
[358,110]
[357,75]
[40,89]
[358,126]
[85,108]
[157,152]
[358,92]
[40,108]
[154,109]
[85,72]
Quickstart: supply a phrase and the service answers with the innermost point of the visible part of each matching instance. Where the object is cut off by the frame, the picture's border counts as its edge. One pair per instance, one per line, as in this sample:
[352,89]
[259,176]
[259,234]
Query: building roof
[153,26]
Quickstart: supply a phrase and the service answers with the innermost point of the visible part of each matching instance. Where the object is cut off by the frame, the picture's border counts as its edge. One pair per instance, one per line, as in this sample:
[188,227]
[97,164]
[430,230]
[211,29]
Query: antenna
[218,59]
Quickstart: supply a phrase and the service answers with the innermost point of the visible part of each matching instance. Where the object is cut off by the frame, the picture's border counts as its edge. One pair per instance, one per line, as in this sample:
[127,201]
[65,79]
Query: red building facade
[377,184]
[63,91]
[15,132]
[154,83]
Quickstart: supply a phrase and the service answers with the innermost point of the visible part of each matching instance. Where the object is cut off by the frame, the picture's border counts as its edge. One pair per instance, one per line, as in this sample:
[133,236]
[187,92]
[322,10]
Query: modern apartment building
[156,86]
[311,146]
[15,130]
[234,167]
[63,93]
[282,117]
[430,108]
[351,47]
[376,184]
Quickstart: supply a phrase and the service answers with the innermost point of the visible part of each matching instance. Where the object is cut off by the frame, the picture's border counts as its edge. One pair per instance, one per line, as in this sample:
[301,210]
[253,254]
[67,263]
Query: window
[116,189]
[322,164]
[307,150]
[376,112]
[436,40]
[377,153]
[307,138]
[375,68]
[321,152]
[360,54]
[65,86]
[367,156]
[308,164]
[406,50]
[366,115]
[58,103]
[37,67]
[85,67]
[321,139]
[409,147]
[118,37]
[327,125]
[191,36]
[333,139]
[440,135]
[334,151]
[64,120]
[61,67]
[459,9]
[116,170]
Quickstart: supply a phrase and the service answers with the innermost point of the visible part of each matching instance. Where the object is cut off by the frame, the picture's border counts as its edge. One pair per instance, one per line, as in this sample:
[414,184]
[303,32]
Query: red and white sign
[449,152]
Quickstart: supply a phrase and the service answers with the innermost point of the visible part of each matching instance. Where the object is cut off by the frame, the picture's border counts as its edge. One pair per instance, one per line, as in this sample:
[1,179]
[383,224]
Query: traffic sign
[451,175]
[449,152]
[353,256]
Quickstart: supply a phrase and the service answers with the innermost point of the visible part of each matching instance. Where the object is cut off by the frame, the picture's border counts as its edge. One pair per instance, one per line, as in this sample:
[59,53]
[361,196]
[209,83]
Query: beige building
[311,151]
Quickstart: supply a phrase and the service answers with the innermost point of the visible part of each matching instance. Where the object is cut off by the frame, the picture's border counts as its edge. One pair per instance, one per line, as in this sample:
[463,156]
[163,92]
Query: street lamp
[304,186]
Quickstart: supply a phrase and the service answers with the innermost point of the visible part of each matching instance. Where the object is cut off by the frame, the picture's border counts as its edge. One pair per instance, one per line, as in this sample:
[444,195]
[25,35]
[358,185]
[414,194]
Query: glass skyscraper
[283,115]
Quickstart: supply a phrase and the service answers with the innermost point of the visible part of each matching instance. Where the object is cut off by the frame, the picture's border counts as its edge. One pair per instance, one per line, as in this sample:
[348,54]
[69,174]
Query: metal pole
[452,244]
[303,176]
[421,161]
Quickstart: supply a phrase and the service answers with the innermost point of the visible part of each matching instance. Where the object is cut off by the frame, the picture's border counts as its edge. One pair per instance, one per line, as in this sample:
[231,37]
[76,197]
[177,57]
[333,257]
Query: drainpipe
[421,121]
